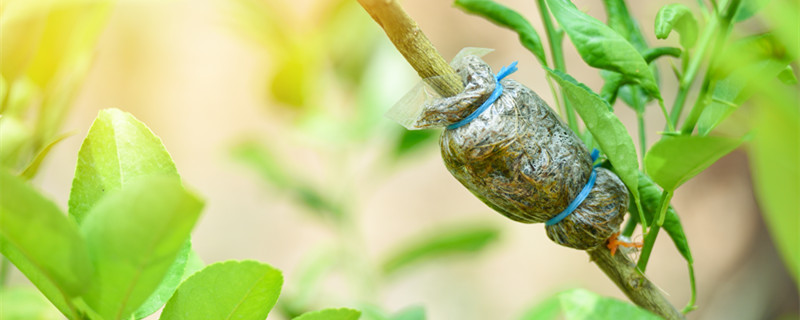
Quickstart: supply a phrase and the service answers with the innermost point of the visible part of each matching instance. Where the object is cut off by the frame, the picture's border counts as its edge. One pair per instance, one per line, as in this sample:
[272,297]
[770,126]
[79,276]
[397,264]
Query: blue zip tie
[581,196]
[498,90]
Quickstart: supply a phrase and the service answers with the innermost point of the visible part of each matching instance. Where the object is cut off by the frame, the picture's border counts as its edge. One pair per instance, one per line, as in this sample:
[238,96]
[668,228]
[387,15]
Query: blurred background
[273,112]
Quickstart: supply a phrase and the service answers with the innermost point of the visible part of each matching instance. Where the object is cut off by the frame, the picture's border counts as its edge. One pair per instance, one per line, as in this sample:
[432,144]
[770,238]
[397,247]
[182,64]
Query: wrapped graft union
[520,159]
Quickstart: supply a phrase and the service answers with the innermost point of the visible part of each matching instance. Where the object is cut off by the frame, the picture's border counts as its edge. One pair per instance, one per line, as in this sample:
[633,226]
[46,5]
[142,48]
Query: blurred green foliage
[47,50]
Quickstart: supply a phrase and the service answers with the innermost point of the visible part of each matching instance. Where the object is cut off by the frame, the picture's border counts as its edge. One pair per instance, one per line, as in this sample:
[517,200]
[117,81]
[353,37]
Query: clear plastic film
[410,107]
[520,159]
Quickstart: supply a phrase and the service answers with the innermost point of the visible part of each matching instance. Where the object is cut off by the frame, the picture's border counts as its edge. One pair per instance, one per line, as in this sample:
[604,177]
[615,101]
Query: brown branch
[420,53]
[406,35]
[620,269]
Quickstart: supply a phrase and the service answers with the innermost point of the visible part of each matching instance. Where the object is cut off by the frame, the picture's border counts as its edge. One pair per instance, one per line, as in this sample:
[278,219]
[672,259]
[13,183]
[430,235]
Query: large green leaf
[674,160]
[757,59]
[117,149]
[601,47]
[677,17]
[227,290]
[134,236]
[607,129]
[331,314]
[581,304]
[508,18]
[43,243]
[621,21]
[436,244]
[775,155]
[171,280]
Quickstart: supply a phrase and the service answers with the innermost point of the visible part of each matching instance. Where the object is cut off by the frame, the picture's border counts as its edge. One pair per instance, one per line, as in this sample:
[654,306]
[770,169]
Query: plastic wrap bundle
[520,159]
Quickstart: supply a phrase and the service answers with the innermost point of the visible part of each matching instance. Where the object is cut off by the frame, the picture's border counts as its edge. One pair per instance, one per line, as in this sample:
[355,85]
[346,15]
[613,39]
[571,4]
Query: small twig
[620,269]
[420,53]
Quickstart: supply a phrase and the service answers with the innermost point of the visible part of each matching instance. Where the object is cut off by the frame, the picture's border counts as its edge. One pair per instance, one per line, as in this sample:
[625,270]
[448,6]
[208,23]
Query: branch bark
[620,269]
[420,53]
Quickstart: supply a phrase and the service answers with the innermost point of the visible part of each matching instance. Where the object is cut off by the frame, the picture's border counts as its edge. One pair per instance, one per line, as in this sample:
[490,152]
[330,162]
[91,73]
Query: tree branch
[420,53]
[620,269]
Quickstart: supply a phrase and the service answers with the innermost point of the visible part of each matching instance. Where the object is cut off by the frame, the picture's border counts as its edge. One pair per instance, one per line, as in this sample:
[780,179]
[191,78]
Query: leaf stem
[691,71]
[554,38]
[708,80]
[642,136]
[650,238]
[691,305]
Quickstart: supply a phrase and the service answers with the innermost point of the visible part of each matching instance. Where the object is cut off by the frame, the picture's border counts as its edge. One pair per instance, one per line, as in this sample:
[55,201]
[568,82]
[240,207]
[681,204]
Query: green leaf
[410,313]
[621,21]
[758,60]
[508,18]
[775,155]
[330,314]
[748,9]
[24,303]
[435,244]
[607,129]
[674,160]
[227,290]
[651,199]
[43,243]
[33,167]
[262,160]
[580,304]
[677,17]
[117,149]
[134,236]
[193,264]
[787,76]
[168,285]
[601,47]
[413,140]
[547,309]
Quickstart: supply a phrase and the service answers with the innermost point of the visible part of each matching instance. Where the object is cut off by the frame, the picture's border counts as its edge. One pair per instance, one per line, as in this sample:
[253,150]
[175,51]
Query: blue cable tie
[581,196]
[498,90]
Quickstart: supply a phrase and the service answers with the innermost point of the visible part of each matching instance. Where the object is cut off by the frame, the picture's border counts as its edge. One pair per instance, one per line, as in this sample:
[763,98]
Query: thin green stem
[691,71]
[554,38]
[642,138]
[700,104]
[639,107]
[725,23]
[559,107]
[655,226]
[670,123]
[642,219]
[649,240]
[693,300]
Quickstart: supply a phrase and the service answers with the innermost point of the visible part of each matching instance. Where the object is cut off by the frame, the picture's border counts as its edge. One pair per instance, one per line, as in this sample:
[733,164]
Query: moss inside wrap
[520,159]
